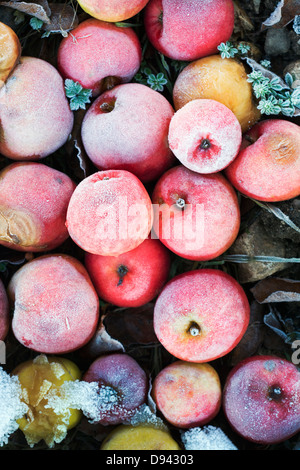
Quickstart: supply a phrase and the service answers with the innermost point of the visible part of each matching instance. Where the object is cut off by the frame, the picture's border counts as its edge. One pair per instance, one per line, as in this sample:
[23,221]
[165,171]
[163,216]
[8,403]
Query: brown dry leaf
[276,289]
[77,157]
[242,22]
[63,18]
[284,13]
[102,342]
[39,9]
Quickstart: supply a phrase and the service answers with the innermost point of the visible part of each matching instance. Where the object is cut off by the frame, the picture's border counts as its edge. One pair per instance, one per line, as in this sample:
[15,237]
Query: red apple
[201,315]
[123,387]
[188,29]
[4,312]
[205,136]
[99,55]
[196,216]
[109,213]
[55,306]
[261,399]
[131,279]
[112,10]
[35,116]
[126,128]
[188,395]
[267,167]
[33,205]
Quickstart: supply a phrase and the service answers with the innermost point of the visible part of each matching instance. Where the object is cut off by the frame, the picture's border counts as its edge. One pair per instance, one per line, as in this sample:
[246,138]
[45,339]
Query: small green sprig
[77,95]
[146,76]
[228,50]
[36,23]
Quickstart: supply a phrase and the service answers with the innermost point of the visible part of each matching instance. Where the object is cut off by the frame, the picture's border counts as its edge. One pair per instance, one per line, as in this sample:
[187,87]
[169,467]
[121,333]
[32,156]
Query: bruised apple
[223,80]
[201,315]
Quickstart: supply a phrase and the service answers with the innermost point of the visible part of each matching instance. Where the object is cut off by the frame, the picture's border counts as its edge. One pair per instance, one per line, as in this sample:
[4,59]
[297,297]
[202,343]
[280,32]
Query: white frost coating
[206,438]
[11,406]
[144,415]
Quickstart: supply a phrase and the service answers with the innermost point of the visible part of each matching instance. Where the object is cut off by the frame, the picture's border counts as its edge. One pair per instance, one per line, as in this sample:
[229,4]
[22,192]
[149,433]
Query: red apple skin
[133,278]
[205,136]
[209,199]
[109,213]
[33,205]
[261,399]
[188,30]
[187,394]
[35,116]
[99,55]
[267,167]
[55,306]
[112,10]
[201,315]
[126,379]
[126,128]
[4,312]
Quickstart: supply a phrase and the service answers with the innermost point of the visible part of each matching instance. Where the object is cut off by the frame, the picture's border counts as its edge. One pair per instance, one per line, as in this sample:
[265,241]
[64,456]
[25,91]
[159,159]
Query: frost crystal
[207,438]
[11,406]
[144,415]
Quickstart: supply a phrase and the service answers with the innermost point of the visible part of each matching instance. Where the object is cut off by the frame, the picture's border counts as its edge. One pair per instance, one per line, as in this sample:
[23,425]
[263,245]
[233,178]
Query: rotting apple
[139,437]
[188,29]
[11,50]
[55,305]
[261,399]
[126,128]
[112,10]
[223,80]
[99,55]
[131,279]
[187,394]
[201,315]
[4,312]
[33,205]
[123,387]
[196,216]
[267,167]
[205,136]
[109,213]
[35,115]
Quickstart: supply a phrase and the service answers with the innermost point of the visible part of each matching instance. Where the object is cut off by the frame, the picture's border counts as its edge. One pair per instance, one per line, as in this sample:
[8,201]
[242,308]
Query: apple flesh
[196,216]
[10,47]
[38,377]
[112,10]
[140,437]
[4,312]
[123,387]
[205,136]
[267,167]
[222,80]
[109,213]
[187,394]
[35,116]
[99,55]
[201,315]
[188,30]
[131,279]
[33,205]
[55,306]
[126,128]
[261,399]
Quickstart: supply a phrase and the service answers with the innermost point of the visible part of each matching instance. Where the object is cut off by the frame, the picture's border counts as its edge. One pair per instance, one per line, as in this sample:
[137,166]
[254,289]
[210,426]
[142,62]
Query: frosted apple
[126,128]
[4,312]
[196,216]
[201,315]
[33,205]
[187,394]
[10,52]
[131,279]
[35,116]
[205,136]
[223,80]
[55,306]
[99,55]
[261,399]
[109,213]
[112,10]
[188,29]
[267,167]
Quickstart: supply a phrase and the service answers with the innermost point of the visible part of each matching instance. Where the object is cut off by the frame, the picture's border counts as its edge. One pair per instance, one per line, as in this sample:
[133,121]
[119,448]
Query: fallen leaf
[39,9]
[63,18]
[284,13]
[276,289]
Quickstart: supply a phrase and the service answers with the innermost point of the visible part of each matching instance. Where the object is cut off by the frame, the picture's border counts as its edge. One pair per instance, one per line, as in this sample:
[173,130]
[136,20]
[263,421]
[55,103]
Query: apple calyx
[205,144]
[194,329]
[275,393]
[180,203]
[122,271]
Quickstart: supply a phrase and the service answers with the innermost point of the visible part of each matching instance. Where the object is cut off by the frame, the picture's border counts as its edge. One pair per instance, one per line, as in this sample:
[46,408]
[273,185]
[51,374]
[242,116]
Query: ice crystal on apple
[206,438]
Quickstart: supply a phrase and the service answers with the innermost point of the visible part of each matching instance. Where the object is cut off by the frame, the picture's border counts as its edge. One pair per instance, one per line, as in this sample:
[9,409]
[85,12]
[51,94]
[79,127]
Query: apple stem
[180,203]
[194,329]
